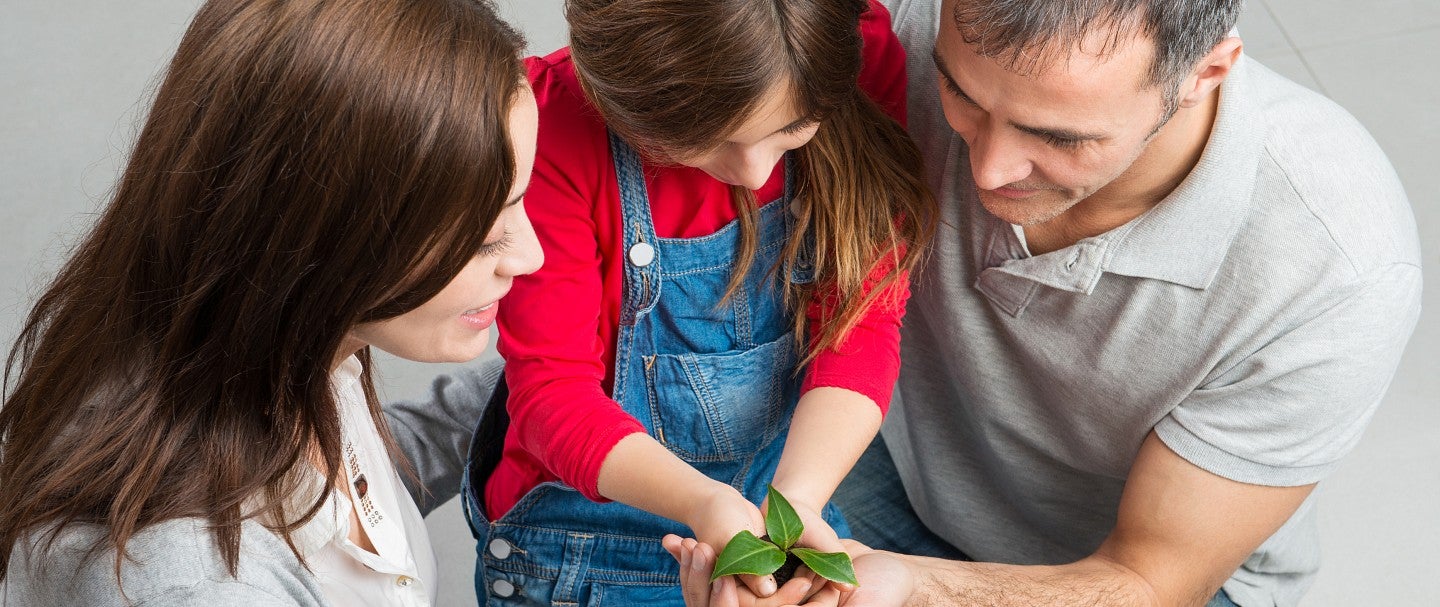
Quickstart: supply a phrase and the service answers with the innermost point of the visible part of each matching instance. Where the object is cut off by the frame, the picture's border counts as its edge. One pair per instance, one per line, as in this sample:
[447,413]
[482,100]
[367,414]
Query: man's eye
[1063,143]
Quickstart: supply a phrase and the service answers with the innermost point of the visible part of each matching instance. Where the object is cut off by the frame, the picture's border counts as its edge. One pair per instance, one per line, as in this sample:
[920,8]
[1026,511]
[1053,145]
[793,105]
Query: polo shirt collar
[1185,238]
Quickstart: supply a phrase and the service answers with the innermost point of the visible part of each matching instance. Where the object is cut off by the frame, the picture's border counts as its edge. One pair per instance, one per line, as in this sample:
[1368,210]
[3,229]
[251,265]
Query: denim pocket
[615,595]
[725,406]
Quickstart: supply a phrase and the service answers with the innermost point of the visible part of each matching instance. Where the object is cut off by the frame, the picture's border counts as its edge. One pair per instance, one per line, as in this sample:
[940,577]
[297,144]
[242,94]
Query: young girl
[728,220]
[192,404]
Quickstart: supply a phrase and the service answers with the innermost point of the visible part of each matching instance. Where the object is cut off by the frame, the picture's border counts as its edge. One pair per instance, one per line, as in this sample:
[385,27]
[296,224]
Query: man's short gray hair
[1025,35]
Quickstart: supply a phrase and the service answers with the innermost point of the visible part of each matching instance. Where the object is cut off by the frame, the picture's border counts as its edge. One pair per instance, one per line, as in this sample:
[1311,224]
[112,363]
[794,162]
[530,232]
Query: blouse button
[642,254]
[403,581]
[500,549]
[503,589]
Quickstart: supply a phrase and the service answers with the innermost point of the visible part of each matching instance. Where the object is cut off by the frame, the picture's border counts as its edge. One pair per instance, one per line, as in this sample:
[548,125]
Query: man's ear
[1211,71]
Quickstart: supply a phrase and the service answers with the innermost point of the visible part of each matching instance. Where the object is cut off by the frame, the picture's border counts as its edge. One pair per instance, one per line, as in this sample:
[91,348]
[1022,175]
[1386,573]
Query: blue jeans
[874,502]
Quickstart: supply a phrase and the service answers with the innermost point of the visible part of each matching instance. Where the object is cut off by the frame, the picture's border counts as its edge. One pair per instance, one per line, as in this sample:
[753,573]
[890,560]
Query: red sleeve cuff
[593,455]
[873,377]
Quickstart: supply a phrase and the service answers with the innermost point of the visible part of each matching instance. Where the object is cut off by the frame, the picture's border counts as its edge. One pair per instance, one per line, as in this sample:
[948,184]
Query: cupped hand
[720,516]
[817,535]
[885,581]
[697,560]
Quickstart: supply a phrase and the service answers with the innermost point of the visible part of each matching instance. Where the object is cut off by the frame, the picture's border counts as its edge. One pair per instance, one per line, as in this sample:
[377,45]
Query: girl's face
[749,155]
[454,326]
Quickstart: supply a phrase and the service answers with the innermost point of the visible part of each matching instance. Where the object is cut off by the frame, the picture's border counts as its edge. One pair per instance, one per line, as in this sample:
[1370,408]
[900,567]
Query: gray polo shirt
[1253,319]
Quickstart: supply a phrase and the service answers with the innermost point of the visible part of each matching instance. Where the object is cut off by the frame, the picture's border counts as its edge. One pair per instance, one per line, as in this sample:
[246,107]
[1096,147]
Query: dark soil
[786,571]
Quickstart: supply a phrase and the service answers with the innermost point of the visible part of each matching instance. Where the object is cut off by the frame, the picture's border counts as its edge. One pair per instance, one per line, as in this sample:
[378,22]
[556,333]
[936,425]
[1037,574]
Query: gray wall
[75,76]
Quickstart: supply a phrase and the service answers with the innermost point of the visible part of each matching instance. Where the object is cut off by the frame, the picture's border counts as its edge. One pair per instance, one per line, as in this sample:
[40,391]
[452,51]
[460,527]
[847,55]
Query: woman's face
[748,156]
[454,326]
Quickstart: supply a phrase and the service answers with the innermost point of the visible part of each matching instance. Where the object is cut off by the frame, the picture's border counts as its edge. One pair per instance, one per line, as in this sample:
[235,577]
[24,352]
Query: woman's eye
[495,247]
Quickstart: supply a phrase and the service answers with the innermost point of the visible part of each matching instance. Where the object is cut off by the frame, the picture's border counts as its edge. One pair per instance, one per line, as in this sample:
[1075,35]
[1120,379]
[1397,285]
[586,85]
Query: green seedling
[776,552]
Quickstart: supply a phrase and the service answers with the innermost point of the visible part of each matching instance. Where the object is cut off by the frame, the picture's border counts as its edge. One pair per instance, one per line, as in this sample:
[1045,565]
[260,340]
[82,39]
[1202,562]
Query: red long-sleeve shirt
[558,326]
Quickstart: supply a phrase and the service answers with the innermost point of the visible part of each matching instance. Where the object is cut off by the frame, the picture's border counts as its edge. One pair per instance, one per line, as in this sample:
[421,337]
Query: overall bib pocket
[721,407]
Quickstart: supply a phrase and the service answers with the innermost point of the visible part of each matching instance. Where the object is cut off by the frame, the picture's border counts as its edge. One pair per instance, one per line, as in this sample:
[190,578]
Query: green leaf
[747,554]
[833,566]
[782,522]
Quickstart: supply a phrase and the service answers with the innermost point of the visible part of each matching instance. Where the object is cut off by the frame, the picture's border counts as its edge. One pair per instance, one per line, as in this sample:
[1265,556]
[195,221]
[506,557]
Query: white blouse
[403,572]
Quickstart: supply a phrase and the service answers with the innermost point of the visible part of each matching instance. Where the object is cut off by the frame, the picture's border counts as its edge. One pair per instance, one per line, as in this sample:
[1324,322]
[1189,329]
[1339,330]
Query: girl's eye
[797,128]
[496,247]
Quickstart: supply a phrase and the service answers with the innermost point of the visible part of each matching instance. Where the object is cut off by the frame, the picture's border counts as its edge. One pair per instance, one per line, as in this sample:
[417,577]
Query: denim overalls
[716,384]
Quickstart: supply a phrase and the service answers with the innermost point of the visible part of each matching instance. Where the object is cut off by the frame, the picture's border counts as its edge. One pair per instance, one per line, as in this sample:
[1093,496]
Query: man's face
[1042,142]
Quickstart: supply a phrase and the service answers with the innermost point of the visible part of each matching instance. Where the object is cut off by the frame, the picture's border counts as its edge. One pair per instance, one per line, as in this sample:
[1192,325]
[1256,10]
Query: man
[1169,290]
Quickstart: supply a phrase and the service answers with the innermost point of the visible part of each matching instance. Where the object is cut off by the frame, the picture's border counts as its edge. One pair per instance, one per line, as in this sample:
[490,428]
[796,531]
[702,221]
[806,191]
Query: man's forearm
[1086,583]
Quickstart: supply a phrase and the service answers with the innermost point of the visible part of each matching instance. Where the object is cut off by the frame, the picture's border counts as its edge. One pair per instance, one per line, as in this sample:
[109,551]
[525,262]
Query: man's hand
[1180,533]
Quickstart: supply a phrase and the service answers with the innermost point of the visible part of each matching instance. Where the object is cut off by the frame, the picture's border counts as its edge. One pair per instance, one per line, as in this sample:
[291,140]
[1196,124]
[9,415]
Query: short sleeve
[1286,414]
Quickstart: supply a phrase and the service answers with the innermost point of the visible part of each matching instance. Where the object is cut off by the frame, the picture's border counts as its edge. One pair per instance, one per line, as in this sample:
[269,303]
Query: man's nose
[997,159]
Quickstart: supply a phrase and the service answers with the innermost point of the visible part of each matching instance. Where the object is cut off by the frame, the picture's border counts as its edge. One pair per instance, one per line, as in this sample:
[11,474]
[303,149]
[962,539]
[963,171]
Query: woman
[190,416]
[729,208]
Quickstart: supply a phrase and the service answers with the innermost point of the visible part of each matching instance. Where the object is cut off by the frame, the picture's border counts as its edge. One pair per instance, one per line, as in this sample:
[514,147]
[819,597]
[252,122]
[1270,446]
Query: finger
[694,586]
[822,539]
[705,558]
[855,548]
[671,543]
[793,592]
[761,585]
[724,593]
[817,583]
[828,596]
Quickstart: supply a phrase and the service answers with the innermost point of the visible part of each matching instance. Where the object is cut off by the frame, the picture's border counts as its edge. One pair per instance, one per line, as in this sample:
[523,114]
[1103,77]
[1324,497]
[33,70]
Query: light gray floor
[73,76]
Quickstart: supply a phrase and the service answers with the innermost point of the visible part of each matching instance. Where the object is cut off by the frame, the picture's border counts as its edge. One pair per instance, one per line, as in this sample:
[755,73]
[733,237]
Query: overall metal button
[500,549]
[642,254]
[503,589]
[403,581]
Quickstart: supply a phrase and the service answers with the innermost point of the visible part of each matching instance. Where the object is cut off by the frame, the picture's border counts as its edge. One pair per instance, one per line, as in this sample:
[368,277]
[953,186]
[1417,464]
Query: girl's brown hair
[306,166]
[676,77]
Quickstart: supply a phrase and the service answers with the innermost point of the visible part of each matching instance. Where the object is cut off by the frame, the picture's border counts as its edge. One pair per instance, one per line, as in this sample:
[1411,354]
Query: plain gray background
[75,76]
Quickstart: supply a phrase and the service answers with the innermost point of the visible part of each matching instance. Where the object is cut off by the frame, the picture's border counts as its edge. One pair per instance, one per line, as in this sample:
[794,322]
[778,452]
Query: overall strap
[642,268]
[803,271]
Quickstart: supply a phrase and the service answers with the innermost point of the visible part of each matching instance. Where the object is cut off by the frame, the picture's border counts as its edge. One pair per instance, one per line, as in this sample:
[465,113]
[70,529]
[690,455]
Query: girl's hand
[817,534]
[720,515]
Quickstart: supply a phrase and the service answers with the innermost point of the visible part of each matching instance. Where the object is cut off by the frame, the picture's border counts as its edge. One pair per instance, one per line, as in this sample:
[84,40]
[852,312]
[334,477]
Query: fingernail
[767,586]
[695,564]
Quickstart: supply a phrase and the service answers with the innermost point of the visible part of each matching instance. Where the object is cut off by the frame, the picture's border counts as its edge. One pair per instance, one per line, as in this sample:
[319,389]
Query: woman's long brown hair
[306,166]
[676,77]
